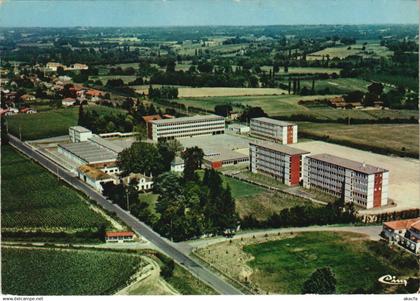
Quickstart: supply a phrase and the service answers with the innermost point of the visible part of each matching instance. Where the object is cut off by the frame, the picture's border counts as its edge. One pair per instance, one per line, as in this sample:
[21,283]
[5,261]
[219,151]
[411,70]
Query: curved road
[172,250]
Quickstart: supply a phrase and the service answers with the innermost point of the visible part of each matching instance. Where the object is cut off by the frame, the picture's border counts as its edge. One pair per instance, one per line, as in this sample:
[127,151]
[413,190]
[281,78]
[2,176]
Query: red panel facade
[294,169]
[149,130]
[216,164]
[377,190]
[289,134]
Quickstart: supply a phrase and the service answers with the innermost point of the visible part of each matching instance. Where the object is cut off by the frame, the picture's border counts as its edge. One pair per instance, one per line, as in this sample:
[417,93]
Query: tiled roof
[404,224]
[121,233]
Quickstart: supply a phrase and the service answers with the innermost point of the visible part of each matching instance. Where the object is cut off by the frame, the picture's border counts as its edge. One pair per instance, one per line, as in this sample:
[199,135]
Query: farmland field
[65,272]
[32,198]
[339,85]
[49,124]
[287,105]
[405,136]
[280,264]
[372,50]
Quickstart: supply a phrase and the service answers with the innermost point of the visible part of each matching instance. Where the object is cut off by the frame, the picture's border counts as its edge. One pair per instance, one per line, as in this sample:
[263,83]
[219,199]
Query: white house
[177,165]
[144,183]
[68,102]
[120,237]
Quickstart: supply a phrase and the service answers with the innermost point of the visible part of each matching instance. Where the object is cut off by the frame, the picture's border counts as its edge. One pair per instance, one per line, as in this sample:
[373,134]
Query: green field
[405,136]
[339,85]
[265,204]
[32,198]
[65,272]
[282,266]
[287,105]
[372,50]
[50,123]
[242,189]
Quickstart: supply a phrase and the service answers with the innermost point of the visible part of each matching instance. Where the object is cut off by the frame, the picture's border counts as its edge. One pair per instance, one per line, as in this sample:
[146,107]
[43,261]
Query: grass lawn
[65,272]
[405,136]
[242,189]
[32,198]
[282,266]
[265,204]
[50,123]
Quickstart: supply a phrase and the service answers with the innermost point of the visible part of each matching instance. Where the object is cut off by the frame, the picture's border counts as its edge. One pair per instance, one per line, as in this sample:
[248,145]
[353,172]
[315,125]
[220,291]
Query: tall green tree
[141,157]
[193,158]
[322,281]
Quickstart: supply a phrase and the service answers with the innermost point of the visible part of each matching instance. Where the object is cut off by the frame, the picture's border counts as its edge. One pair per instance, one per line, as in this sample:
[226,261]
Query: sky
[121,13]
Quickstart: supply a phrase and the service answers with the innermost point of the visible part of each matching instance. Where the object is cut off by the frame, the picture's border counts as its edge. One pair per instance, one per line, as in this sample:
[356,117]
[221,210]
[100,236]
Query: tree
[141,157]
[252,112]
[193,158]
[167,155]
[4,136]
[322,281]
[223,110]
[81,120]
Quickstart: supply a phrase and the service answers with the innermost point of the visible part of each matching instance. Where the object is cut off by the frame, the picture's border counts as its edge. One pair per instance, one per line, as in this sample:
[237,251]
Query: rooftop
[280,148]
[108,144]
[187,119]
[93,173]
[404,224]
[226,155]
[350,164]
[273,121]
[121,233]
[80,129]
[149,118]
[89,152]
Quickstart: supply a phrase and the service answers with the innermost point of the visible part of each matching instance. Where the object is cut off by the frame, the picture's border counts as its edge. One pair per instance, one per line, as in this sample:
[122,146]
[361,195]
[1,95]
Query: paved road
[177,253]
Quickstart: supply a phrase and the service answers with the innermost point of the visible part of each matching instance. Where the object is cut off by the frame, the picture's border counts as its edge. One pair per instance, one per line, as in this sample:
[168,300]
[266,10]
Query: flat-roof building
[165,129]
[359,183]
[275,130]
[282,162]
[78,134]
[238,128]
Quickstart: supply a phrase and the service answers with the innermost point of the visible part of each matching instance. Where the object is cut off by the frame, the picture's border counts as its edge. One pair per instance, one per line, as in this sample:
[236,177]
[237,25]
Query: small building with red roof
[119,236]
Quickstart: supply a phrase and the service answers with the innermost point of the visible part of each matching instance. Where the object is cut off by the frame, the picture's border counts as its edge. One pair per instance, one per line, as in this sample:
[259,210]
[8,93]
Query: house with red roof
[405,233]
[120,236]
